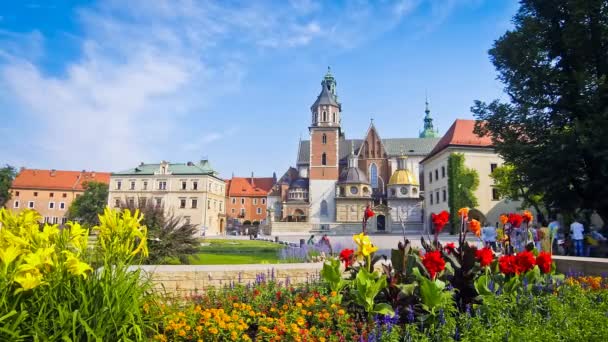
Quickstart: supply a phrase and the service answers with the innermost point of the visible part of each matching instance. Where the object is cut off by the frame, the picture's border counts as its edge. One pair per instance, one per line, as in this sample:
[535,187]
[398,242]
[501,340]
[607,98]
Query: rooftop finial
[426,103]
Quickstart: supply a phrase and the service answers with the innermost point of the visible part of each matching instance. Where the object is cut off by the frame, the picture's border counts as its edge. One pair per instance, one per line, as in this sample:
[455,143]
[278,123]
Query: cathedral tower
[324,151]
[429,131]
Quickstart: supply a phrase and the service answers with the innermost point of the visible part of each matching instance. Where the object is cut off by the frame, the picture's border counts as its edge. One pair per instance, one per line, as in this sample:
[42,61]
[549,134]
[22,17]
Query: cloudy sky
[104,85]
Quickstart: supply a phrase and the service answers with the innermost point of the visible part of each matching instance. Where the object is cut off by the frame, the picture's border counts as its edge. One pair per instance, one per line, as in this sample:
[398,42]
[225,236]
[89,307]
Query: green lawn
[226,252]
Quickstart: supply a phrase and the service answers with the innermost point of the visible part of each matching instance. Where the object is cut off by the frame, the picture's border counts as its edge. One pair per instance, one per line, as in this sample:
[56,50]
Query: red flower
[485,256]
[507,265]
[440,220]
[525,261]
[433,262]
[346,256]
[544,262]
[449,247]
[515,220]
[368,212]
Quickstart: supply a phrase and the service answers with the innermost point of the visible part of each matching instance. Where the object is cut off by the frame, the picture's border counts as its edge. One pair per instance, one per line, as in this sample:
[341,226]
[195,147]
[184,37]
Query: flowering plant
[440,220]
[515,220]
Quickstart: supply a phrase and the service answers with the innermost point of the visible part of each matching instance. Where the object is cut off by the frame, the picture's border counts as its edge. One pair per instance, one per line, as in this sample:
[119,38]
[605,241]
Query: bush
[50,291]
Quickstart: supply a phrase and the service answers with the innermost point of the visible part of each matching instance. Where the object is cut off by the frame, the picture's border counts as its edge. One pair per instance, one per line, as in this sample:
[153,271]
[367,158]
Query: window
[232,210]
[221,206]
[259,211]
[324,116]
[159,201]
[117,203]
[51,195]
[64,195]
[132,185]
[242,201]
[47,219]
[30,204]
[233,200]
[16,193]
[142,202]
[182,203]
[393,192]
[495,195]
[373,172]
[324,139]
[243,211]
[437,196]
[55,220]
[443,172]
[162,185]
[183,185]
[493,166]
[436,174]
[145,187]
[131,202]
[324,211]
[334,117]
[16,204]
[431,198]
[194,203]
[430,177]
[263,201]
[35,194]
[324,159]
[444,194]
[64,220]
[255,201]
[354,190]
[118,185]
[208,204]
[195,185]
[403,190]
[51,205]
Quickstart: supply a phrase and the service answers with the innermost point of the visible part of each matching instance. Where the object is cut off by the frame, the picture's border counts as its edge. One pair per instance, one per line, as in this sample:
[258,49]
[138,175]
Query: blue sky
[105,85]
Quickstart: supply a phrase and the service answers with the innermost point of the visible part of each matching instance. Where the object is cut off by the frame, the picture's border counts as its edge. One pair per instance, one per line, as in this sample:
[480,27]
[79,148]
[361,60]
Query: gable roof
[393,147]
[241,186]
[57,179]
[201,168]
[460,134]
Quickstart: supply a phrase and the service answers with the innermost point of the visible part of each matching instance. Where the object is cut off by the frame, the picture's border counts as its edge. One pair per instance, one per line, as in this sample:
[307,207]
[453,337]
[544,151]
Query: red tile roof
[57,179]
[241,186]
[460,134]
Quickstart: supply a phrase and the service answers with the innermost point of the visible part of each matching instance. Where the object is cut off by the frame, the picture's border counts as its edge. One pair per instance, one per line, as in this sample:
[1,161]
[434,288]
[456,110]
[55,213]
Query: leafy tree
[87,206]
[462,183]
[554,65]
[512,186]
[7,174]
[169,237]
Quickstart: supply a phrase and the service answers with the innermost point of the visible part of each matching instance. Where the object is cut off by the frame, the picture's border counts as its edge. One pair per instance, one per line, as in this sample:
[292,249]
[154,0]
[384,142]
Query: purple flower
[410,314]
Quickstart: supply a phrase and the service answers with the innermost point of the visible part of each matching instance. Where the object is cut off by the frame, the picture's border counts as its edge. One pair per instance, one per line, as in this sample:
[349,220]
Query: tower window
[324,116]
[324,159]
[324,139]
[334,117]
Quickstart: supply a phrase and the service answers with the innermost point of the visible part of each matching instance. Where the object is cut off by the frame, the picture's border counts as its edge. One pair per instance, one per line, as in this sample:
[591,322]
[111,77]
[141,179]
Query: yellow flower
[9,254]
[28,280]
[361,240]
[368,249]
[213,330]
[300,321]
[75,266]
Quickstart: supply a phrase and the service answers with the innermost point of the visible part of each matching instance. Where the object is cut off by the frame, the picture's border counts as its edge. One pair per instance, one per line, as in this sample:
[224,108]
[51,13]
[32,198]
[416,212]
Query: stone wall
[587,266]
[188,279]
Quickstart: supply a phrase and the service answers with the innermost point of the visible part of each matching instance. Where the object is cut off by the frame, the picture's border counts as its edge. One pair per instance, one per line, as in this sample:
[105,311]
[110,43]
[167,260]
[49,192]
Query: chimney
[190,163]
[22,169]
[252,182]
[53,172]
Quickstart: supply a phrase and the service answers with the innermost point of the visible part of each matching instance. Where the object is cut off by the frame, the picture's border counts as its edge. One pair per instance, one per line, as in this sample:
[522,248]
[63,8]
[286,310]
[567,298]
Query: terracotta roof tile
[460,134]
[241,186]
[57,179]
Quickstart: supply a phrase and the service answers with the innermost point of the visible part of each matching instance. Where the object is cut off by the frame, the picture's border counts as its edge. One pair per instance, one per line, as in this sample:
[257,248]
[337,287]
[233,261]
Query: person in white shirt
[576,231]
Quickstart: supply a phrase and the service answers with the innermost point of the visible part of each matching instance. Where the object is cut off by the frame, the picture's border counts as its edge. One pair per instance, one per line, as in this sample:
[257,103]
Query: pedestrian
[325,241]
[576,231]
[311,240]
[488,235]
[554,232]
[537,237]
[545,237]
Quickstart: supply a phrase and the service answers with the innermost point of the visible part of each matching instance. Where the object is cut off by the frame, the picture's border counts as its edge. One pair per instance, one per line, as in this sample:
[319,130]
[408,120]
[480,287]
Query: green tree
[462,183]
[87,206]
[512,186]
[7,174]
[554,65]
[170,238]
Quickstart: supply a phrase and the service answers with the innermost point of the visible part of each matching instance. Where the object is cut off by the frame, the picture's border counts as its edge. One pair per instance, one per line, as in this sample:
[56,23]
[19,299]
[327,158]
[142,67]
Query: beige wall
[52,205]
[479,159]
[350,210]
[210,197]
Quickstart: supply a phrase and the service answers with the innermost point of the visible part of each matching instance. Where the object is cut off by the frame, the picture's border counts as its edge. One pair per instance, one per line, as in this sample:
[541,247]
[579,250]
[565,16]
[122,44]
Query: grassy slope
[227,252]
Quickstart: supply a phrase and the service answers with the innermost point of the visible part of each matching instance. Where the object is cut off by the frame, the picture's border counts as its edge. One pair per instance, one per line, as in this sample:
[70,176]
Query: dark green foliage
[554,65]
[86,208]
[462,183]
[170,239]
[7,174]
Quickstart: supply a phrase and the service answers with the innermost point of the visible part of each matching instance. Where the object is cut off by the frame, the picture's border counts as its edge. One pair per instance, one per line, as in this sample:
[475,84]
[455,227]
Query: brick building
[246,198]
[50,192]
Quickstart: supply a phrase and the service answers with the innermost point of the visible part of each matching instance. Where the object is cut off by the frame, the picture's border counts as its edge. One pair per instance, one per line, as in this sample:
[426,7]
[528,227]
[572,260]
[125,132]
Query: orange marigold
[504,219]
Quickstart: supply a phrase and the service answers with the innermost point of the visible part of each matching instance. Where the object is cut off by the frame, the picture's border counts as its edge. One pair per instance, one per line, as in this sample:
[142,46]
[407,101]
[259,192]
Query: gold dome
[402,177]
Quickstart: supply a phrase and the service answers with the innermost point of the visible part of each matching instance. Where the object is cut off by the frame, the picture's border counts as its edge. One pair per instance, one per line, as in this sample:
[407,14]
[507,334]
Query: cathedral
[335,178]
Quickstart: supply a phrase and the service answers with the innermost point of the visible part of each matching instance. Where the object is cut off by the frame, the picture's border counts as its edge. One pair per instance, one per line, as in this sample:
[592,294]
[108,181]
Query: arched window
[324,116]
[334,116]
[324,211]
[373,175]
[316,117]
[324,139]
[324,159]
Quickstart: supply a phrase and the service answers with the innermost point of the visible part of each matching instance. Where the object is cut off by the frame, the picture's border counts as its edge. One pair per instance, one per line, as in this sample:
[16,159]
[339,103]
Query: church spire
[429,131]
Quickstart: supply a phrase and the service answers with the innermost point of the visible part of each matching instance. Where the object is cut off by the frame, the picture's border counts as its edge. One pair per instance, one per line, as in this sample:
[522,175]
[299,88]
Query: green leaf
[384,309]
[482,287]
